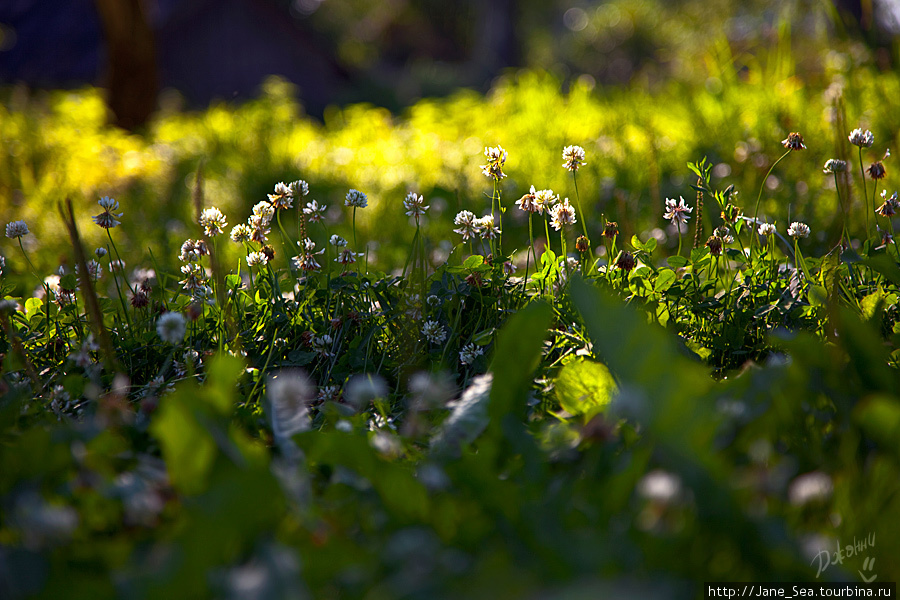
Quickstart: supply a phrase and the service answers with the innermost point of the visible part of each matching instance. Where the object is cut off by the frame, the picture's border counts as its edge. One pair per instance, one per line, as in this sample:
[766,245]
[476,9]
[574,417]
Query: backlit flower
[677,211]
[573,157]
[314,211]
[794,141]
[192,250]
[241,233]
[544,201]
[415,205]
[434,332]
[213,221]
[798,230]
[257,258]
[561,214]
[863,139]
[526,202]
[467,224]
[767,229]
[170,327]
[337,241]
[496,157]
[283,197]
[486,227]
[356,199]
[834,165]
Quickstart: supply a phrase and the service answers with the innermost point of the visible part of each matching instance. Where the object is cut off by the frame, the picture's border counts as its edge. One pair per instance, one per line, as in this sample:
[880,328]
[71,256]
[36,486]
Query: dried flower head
[834,165]
[863,139]
[798,230]
[794,141]
[573,157]
[140,299]
[876,170]
[213,221]
[16,229]
[731,213]
[415,205]
[170,327]
[714,243]
[625,261]
[677,211]
[496,157]
[561,214]
[356,199]
[611,230]
[582,244]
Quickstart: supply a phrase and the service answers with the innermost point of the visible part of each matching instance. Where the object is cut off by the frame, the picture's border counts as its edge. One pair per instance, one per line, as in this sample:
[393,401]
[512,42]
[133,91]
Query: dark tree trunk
[131,78]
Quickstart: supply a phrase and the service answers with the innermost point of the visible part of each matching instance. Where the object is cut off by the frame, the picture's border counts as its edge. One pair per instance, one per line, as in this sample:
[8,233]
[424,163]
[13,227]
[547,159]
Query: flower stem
[865,190]
[761,187]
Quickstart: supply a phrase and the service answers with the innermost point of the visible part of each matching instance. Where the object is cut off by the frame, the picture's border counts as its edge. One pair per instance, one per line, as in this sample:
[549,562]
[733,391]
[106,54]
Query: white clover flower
[361,390]
[213,221]
[117,265]
[100,252]
[347,257]
[561,214]
[676,211]
[434,332]
[526,202]
[767,229]
[259,228]
[810,487]
[2,264]
[264,211]
[724,233]
[107,219]
[195,276]
[170,327]
[289,393]
[314,212]
[357,199]
[16,229]
[283,198]
[108,203]
[486,227]
[660,486]
[574,157]
[299,188]
[257,258]
[337,241]
[798,230]
[469,353]
[433,300]
[834,165]
[863,139]
[241,233]
[192,250]
[323,344]
[496,157]
[544,201]
[468,224]
[95,271]
[415,205]
[328,393]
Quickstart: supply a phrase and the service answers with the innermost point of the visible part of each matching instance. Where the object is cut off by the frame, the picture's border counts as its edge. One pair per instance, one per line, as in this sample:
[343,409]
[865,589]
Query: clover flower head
[192,250]
[863,139]
[100,252]
[714,243]
[241,233]
[299,188]
[767,229]
[794,141]
[337,241]
[486,227]
[259,228]
[107,219]
[356,199]
[496,157]
[108,203]
[117,265]
[574,157]
[314,211]
[16,229]
[194,276]
[347,257]
[264,211]
[2,264]
[469,353]
[289,393]
[798,230]
[677,210]
[876,170]
[611,229]
[170,327]
[834,165]
[283,197]
[526,202]
[625,261]
[434,332]
[213,221]
[561,214]
[467,223]
[415,205]
[257,258]
[724,233]
[94,270]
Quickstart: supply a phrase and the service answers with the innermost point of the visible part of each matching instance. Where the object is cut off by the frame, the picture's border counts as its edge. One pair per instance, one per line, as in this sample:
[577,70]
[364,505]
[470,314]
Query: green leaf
[33,306]
[677,262]
[187,447]
[474,261]
[584,388]
[68,281]
[665,280]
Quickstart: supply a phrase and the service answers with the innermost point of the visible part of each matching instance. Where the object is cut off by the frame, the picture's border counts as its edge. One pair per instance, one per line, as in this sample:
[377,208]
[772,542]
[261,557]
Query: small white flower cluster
[573,157]
[171,327]
[16,229]
[415,205]
[314,212]
[677,211]
[193,250]
[798,230]
[108,219]
[255,259]
[434,332]
[322,345]
[213,221]
[767,229]
[469,353]
[537,201]
[356,199]
[496,157]
[562,213]
[863,139]
[95,271]
[469,226]
[306,260]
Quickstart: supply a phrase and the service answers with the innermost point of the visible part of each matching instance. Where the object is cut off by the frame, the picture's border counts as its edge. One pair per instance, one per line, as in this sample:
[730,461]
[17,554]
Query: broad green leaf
[665,280]
[474,261]
[584,388]
[187,447]
[33,306]
[676,262]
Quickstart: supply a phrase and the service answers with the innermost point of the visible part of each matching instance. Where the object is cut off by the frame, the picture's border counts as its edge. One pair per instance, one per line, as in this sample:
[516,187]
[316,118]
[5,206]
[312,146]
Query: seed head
[794,141]
[611,230]
[876,170]
[625,261]
[582,244]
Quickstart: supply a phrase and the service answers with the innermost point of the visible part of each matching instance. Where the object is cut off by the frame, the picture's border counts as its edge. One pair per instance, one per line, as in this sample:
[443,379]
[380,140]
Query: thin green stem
[578,203]
[862,172]
[761,187]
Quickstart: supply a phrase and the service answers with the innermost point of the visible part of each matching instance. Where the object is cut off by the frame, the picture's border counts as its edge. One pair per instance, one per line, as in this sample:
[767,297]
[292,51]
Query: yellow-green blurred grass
[56,145]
